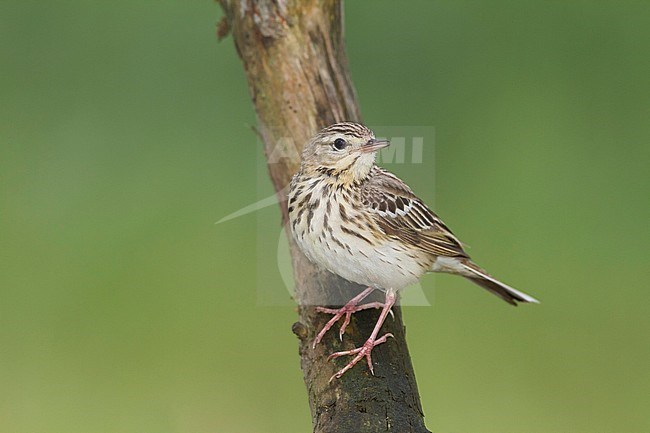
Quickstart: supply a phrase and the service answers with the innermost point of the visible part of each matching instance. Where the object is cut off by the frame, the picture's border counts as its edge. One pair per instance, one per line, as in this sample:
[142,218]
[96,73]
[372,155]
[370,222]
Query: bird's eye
[339,144]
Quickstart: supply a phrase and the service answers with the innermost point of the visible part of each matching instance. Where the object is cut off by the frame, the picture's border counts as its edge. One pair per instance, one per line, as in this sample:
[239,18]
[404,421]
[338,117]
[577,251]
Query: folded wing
[401,215]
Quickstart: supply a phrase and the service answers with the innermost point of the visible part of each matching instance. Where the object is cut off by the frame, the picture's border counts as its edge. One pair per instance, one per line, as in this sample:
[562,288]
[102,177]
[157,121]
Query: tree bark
[296,65]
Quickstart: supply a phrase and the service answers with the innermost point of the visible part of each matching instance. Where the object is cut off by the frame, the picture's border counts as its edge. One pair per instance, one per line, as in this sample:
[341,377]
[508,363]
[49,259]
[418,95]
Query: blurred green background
[125,134]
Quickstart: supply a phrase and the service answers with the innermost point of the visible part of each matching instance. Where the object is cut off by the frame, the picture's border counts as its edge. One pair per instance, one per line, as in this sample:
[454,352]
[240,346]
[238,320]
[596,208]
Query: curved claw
[347,310]
[364,351]
[345,324]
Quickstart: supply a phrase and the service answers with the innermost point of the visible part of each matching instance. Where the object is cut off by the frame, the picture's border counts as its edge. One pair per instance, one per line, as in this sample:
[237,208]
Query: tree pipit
[364,224]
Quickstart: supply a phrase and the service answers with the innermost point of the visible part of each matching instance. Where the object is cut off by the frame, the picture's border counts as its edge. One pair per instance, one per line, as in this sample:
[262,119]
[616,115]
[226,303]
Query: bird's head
[346,150]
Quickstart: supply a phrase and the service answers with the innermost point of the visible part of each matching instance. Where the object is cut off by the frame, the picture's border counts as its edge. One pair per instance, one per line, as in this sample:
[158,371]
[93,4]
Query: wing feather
[401,215]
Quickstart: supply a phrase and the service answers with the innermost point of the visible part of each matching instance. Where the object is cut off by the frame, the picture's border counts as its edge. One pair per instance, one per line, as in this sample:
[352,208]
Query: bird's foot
[347,310]
[360,352]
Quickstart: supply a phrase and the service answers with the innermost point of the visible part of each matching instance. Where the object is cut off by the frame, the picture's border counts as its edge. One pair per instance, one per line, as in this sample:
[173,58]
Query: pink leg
[351,307]
[366,349]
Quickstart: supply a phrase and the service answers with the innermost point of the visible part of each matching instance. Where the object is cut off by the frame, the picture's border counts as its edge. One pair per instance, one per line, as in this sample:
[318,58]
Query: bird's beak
[374,145]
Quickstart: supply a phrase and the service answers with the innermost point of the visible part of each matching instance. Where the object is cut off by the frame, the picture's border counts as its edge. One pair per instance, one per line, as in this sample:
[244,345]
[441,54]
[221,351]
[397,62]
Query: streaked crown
[346,150]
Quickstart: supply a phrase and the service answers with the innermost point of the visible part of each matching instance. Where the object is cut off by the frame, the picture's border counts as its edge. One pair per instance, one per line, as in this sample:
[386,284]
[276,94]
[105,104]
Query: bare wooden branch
[296,65]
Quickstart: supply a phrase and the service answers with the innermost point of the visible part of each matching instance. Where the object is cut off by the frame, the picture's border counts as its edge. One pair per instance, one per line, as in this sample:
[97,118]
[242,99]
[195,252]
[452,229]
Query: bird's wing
[401,215]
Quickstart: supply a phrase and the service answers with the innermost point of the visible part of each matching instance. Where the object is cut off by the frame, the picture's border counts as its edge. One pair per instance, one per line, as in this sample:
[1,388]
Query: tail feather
[503,291]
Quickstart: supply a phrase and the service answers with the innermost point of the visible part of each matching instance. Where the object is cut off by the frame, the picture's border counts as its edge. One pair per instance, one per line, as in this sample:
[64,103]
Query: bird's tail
[503,291]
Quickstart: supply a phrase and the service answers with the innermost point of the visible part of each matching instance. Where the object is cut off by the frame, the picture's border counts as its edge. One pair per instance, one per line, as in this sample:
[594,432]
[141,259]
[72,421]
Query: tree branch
[297,69]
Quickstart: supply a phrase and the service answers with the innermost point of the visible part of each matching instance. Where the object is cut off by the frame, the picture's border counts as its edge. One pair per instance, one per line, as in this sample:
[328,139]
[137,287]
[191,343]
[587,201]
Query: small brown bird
[364,224]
